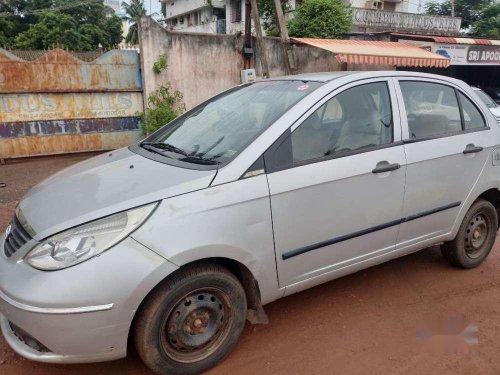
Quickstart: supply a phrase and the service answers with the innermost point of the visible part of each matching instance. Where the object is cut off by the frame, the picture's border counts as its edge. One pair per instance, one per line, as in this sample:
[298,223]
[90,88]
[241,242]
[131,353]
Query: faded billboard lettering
[399,21]
[54,102]
[29,107]
[61,127]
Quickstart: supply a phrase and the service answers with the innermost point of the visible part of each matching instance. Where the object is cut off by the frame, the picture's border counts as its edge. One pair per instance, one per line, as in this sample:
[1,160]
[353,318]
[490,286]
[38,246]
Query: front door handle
[384,166]
[471,149]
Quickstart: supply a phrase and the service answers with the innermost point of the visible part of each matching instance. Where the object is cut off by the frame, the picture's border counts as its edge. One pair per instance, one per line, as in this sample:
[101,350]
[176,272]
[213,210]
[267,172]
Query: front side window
[217,130]
[357,118]
[472,117]
[432,109]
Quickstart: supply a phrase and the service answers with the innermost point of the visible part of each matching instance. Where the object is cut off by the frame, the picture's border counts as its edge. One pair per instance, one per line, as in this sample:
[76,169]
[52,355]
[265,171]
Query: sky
[152,6]
[412,8]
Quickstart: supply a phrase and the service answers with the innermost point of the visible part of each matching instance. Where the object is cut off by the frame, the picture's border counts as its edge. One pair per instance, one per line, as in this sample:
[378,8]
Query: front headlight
[81,243]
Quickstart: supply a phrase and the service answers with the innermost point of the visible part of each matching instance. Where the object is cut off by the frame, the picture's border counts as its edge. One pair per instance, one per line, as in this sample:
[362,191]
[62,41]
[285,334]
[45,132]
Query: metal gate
[54,102]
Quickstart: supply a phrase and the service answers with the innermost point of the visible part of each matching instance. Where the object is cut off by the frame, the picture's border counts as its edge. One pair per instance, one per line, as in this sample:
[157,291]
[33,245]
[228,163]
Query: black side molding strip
[431,212]
[305,249]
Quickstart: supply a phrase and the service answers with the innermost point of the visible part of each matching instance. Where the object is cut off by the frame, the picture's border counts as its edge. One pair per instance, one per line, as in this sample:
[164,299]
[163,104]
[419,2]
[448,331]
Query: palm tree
[135,10]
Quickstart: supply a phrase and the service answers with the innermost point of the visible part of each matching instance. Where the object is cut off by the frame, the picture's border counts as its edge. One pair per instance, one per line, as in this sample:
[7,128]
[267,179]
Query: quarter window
[472,117]
[432,109]
[357,118]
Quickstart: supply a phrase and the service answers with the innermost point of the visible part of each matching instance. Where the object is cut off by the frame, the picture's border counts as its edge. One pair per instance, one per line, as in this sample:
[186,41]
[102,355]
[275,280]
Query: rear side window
[432,109]
[472,117]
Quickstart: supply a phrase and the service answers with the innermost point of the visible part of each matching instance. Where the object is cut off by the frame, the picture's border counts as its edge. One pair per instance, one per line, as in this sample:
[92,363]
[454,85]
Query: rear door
[446,149]
[336,181]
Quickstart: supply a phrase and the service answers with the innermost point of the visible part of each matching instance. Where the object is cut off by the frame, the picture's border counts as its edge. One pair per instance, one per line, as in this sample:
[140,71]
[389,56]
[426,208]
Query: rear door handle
[471,149]
[384,166]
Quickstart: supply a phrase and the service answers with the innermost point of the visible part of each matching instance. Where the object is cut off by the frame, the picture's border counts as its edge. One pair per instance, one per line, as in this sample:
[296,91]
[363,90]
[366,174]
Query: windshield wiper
[158,147]
[156,150]
[164,146]
[200,160]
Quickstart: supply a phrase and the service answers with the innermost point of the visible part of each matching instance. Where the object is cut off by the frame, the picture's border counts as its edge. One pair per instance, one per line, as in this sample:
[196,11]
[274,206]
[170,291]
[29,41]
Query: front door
[337,182]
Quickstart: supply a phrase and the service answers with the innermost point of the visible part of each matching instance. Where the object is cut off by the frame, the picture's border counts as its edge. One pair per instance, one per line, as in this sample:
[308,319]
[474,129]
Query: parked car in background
[265,190]
[493,92]
[490,103]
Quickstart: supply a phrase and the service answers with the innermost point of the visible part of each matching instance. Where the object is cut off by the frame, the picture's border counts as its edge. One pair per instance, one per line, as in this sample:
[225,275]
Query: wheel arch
[488,193]
[238,269]
[493,196]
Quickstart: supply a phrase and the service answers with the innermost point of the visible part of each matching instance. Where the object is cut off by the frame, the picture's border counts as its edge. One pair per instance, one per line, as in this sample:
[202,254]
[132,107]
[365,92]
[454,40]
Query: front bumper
[79,314]
[25,350]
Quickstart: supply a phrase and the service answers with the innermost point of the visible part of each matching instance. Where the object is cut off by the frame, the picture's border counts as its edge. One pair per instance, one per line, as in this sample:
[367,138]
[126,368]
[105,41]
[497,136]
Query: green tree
[324,19]
[267,14]
[135,10]
[164,105]
[489,24]
[14,18]
[53,29]
[80,26]
[469,10]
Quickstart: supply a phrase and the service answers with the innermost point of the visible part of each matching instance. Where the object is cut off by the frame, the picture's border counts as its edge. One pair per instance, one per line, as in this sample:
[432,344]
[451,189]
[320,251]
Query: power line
[38,11]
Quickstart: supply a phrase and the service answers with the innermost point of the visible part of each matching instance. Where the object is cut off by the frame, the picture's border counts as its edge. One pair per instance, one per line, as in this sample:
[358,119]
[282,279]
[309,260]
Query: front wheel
[191,321]
[475,237]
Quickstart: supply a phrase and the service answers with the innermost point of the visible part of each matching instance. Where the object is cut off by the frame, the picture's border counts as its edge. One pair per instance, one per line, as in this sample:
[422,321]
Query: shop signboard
[464,54]
[400,21]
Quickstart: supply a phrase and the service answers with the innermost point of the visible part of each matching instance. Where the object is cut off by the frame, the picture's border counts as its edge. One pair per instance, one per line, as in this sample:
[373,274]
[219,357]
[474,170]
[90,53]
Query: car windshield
[486,99]
[217,130]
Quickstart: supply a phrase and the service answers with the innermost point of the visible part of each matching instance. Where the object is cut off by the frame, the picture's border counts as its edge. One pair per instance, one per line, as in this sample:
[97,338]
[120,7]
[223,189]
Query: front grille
[16,238]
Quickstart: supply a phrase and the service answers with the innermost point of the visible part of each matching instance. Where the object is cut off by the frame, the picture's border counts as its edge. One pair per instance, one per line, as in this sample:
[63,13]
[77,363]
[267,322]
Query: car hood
[101,186]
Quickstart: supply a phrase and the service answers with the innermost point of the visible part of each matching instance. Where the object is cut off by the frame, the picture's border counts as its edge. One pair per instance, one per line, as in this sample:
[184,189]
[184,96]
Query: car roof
[320,77]
[330,76]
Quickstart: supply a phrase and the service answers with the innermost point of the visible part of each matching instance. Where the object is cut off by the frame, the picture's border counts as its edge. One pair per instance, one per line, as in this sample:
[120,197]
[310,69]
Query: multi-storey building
[228,16]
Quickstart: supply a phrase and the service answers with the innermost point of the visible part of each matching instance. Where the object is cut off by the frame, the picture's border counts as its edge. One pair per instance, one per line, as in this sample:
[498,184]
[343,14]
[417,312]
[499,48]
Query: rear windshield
[219,129]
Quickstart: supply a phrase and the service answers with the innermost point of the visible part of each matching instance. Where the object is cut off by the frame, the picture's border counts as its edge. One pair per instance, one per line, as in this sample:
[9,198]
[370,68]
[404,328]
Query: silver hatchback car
[263,191]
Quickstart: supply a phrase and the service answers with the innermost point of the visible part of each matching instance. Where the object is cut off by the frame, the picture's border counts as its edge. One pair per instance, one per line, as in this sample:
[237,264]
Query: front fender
[231,221]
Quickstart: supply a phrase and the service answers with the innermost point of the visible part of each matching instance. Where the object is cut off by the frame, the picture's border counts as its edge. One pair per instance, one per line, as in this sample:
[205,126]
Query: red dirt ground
[365,323]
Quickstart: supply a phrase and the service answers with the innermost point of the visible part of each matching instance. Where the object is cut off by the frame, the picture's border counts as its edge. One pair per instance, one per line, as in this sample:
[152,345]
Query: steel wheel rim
[197,325]
[476,235]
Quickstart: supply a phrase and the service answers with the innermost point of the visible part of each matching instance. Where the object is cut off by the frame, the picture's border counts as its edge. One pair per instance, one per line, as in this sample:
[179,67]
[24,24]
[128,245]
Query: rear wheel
[191,321]
[475,237]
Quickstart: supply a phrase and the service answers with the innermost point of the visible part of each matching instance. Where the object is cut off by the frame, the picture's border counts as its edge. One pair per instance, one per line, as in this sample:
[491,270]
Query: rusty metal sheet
[38,107]
[70,143]
[54,102]
[60,71]
[42,128]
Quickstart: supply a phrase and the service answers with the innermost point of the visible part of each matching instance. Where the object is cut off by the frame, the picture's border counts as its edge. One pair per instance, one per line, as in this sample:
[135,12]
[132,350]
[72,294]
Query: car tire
[475,238]
[191,321]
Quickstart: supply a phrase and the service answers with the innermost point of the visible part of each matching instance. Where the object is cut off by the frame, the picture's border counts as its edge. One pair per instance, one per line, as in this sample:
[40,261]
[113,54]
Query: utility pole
[258,38]
[285,41]
[453,8]
[247,44]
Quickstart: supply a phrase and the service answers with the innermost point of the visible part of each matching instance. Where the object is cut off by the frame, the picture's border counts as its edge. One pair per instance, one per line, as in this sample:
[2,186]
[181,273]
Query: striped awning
[449,39]
[378,53]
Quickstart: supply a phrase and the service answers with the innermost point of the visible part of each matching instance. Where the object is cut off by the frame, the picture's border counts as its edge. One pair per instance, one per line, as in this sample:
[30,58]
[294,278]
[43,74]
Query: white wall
[179,7]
